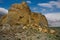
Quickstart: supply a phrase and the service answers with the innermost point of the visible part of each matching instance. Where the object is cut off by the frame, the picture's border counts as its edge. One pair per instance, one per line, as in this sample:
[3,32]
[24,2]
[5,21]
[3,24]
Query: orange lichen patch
[52,31]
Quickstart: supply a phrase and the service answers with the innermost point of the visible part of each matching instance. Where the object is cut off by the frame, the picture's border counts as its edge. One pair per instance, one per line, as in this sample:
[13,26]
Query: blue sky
[49,8]
[43,6]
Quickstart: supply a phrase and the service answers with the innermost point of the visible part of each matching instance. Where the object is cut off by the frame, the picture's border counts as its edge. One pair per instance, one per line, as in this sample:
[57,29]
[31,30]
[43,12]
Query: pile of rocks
[21,32]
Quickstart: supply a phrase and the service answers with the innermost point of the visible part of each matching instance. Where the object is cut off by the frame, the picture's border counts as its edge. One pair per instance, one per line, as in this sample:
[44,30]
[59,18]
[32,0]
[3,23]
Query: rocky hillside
[22,24]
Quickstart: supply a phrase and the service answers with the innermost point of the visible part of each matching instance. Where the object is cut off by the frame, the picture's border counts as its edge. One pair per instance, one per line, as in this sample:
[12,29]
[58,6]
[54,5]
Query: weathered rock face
[3,20]
[39,19]
[18,13]
[21,14]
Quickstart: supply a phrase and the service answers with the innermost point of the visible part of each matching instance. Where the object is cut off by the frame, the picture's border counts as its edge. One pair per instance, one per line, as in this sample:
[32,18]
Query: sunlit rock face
[21,14]
[39,19]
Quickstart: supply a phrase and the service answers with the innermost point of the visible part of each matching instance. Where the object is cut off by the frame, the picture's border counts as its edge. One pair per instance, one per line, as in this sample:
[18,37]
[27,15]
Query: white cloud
[44,10]
[45,5]
[53,16]
[35,11]
[57,4]
[53,19]
[28,2]
[35,8]
[3,10]
[50,4]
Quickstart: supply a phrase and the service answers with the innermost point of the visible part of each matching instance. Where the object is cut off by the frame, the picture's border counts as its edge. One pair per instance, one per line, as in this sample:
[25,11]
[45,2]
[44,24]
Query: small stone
[25,27]
[40,29]
[52,31]
[45,30]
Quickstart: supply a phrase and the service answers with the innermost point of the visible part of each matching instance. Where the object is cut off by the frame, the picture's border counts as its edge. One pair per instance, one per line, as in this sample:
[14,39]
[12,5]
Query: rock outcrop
[21,14]
[39,19]
[22,24]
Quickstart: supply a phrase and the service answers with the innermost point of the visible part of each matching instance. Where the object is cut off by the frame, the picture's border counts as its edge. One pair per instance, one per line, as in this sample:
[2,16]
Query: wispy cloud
[44,10]
[28,2]
[50,4]
[35,8]
[3,10]
[45,5]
